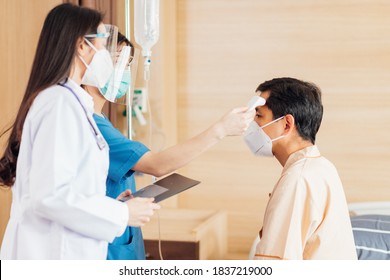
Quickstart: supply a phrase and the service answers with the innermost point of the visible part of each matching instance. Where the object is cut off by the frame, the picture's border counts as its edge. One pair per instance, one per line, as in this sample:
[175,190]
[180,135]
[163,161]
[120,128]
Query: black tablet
[164,188]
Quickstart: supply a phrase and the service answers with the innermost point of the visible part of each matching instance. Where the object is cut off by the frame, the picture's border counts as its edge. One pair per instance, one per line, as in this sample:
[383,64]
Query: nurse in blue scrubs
[124,154]
[127,157]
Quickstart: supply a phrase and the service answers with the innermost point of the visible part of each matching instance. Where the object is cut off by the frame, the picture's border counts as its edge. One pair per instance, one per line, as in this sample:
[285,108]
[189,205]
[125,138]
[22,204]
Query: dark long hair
[62,30]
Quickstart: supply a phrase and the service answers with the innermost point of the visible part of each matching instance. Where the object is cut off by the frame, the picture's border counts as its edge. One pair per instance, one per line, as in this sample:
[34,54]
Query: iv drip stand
[129,95]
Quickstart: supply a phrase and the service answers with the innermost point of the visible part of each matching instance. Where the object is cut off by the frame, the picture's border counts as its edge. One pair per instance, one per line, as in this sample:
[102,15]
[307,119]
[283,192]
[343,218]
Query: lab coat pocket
[77,246]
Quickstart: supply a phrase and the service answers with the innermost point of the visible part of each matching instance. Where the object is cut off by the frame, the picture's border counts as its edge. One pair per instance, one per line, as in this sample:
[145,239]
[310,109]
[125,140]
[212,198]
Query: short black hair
[300,99]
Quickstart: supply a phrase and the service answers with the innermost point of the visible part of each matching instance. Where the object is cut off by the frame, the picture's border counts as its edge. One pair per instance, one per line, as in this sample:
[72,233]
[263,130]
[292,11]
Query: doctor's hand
[234,122]
[140,210]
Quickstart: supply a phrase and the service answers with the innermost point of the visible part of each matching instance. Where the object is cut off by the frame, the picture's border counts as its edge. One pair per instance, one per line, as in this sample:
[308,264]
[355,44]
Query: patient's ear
[289,123]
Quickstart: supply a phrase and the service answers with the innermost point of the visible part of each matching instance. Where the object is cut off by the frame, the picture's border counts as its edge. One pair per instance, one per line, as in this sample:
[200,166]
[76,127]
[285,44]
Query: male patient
[307,215]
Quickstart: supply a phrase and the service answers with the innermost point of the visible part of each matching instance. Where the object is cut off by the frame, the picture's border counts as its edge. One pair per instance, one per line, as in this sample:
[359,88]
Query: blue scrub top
[124,154]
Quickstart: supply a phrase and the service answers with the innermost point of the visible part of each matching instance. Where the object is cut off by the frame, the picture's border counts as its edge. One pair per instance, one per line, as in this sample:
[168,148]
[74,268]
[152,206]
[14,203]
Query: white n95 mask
[99,70]
[258,142]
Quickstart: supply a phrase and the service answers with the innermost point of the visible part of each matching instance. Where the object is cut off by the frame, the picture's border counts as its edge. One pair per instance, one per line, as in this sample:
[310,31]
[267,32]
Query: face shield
[101,68]
[119,88]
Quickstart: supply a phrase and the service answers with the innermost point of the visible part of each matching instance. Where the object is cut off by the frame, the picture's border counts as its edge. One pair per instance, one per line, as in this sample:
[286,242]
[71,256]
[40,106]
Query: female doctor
[57,160]
[128,156]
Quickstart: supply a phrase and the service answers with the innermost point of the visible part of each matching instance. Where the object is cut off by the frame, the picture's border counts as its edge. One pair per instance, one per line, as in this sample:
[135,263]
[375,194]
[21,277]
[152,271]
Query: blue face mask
[125,83]
[123,87]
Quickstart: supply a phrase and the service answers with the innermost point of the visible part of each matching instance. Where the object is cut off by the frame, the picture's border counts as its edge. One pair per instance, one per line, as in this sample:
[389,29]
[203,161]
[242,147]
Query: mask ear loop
[92,46]
[277,138]
[83,61]
[271,122]
[274,121]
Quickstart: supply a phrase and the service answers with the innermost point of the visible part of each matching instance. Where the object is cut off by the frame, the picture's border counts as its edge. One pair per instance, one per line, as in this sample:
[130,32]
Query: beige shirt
[307,215]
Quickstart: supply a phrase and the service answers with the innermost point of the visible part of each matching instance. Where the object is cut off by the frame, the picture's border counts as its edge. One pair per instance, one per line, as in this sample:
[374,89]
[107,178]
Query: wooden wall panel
[22,22]
[226,48]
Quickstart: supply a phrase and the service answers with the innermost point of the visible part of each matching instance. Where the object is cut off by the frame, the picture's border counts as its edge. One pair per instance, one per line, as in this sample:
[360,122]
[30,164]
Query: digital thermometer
[255,102]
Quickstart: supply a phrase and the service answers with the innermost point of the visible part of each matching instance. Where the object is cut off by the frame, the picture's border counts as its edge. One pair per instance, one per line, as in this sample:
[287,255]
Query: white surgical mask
[258,141]
[99,70]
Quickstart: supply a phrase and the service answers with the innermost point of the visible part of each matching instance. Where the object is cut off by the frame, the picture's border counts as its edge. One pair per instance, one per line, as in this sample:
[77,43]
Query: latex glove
[235,122]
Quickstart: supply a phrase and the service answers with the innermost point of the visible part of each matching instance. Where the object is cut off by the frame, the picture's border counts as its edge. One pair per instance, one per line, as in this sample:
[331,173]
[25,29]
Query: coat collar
[85,98]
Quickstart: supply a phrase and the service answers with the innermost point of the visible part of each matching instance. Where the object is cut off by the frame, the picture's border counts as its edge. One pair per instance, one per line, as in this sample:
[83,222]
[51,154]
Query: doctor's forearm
[175,157]
[234,122]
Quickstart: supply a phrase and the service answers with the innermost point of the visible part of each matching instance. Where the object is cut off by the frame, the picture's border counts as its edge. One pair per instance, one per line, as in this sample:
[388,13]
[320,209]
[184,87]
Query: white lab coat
[59,208]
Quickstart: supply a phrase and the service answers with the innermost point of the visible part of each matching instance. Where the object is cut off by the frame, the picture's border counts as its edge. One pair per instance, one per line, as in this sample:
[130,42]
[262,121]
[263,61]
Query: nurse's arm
[161,163]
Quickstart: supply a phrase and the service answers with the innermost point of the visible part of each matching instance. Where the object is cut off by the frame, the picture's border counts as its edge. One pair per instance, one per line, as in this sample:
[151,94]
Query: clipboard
[165,188]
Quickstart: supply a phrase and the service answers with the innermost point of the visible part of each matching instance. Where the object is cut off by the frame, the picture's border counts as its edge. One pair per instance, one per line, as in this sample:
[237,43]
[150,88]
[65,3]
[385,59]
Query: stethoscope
[99,137]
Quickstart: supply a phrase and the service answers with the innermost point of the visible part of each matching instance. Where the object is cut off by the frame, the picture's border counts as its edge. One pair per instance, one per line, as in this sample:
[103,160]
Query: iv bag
[146,24]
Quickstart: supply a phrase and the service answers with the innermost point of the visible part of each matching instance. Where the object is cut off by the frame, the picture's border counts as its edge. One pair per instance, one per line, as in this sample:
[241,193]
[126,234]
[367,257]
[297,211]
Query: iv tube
[146,28]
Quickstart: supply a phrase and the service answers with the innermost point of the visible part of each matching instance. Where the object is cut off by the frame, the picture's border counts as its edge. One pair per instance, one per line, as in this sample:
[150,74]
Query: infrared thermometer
[255,102]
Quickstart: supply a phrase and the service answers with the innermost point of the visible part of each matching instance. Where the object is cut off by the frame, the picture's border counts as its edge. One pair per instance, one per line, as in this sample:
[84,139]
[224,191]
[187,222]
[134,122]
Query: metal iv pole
[128,94]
